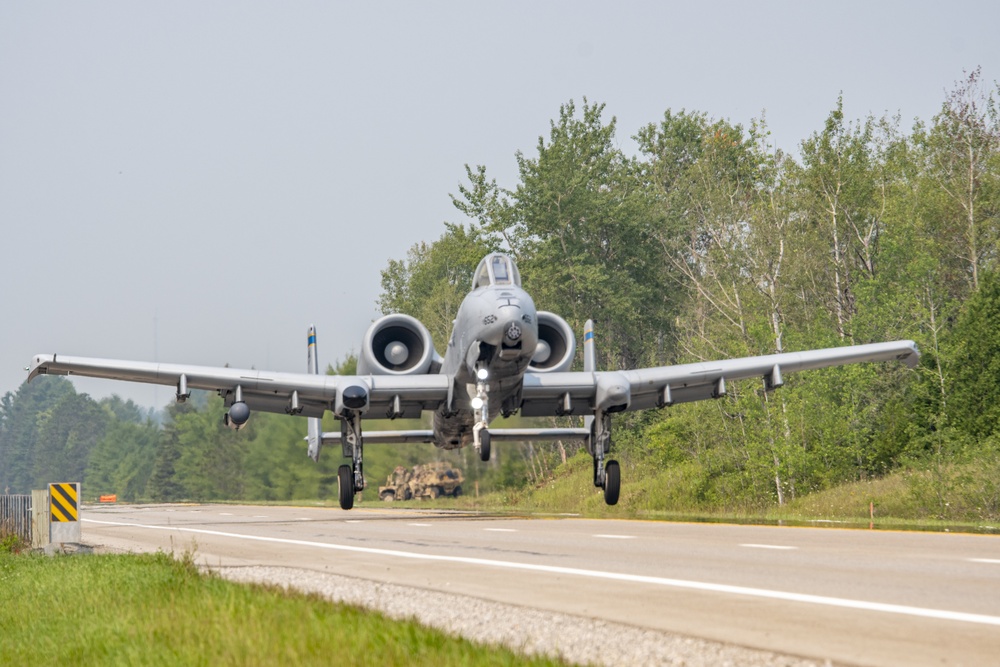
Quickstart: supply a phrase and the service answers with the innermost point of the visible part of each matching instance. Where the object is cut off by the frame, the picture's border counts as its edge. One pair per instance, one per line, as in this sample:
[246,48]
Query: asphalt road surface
[850,596]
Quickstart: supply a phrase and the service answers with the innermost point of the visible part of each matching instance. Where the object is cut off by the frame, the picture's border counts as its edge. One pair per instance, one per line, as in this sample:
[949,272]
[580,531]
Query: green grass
[154,610]
[953,497]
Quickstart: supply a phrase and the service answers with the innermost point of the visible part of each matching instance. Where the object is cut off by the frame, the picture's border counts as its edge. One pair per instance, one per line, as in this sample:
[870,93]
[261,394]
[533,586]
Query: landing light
[477,403]
[482,374]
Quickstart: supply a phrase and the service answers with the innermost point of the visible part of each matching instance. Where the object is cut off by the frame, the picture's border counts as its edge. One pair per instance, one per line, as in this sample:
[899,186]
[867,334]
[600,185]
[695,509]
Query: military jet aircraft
[503,356]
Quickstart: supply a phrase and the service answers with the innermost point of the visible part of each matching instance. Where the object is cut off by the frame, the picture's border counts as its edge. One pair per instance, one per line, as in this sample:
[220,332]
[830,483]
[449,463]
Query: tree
[961,153]
[582,227]
[843,189]
[122,461]
[975,376]
[19,429]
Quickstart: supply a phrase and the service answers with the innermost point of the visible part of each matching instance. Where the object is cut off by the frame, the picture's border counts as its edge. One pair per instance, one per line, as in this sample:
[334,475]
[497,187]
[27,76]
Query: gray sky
[197,182]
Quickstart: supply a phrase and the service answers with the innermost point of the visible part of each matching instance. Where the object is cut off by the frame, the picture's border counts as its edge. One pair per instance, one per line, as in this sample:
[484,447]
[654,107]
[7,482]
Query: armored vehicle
[427,480]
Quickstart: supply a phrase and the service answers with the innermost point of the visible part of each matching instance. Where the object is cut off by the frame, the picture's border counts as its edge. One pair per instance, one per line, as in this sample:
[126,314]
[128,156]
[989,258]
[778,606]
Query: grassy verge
[955,497]
[154,610]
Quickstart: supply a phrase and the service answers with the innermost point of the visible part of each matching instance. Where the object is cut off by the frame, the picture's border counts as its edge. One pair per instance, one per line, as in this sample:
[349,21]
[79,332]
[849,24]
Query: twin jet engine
[401,345]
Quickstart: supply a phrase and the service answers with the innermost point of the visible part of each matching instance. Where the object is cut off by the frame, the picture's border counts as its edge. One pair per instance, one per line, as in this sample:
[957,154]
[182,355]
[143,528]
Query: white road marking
[924,612]
[500,530]
[995,561]
[225,513]
[353,521]
[418,524]
[767,546]
[260,516]
[303,518]
[616,537]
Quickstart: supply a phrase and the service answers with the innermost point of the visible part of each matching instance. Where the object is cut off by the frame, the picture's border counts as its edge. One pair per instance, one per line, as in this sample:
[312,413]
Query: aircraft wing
[543,394]
[299,393]
[551,393]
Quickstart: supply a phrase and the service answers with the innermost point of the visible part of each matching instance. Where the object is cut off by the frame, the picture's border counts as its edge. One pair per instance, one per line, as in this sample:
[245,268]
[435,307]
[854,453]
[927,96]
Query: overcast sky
[197,182]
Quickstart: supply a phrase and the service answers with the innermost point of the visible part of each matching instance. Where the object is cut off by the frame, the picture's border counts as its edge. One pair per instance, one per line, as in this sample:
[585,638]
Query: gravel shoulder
[578,640]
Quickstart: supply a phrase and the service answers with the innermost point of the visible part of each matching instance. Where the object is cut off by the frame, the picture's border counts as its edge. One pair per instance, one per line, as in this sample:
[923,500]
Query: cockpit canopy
[496,269]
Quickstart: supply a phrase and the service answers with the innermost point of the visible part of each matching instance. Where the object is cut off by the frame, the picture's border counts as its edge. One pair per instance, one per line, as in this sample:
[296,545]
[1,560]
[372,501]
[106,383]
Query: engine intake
[556,345]
[396,345]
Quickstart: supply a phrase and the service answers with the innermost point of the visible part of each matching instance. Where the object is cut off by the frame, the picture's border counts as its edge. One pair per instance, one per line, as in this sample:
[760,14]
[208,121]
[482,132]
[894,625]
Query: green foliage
[346,366]
[153,610]
[11,543]
[974,391]
[21,416]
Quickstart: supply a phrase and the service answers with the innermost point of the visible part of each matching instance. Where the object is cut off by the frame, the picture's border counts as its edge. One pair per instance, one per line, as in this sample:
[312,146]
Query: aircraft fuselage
[496,329]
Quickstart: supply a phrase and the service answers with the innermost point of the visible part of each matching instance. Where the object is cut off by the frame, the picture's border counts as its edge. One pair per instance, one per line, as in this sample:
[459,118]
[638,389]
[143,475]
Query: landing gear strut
[481,404]
[351,478]
[607,473]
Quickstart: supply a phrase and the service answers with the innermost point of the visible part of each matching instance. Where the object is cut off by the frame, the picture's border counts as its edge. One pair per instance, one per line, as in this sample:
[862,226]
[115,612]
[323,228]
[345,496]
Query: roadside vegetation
[154,610]
[706,242]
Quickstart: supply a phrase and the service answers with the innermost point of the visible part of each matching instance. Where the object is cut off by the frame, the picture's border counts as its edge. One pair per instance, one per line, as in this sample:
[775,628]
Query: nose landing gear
[481,404]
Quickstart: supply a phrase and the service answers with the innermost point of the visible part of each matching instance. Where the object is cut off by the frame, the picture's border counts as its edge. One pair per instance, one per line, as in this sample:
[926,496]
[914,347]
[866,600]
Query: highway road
[849,596]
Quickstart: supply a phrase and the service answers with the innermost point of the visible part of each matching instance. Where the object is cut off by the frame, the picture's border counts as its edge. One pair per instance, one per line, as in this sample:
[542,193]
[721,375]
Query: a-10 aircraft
[503,357]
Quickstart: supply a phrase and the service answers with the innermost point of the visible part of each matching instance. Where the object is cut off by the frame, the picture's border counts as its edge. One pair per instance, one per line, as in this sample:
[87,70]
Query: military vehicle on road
[428,480]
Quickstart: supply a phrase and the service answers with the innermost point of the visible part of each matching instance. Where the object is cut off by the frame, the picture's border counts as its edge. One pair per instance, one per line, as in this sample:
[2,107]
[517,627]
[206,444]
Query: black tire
[457,492]
[345,477]
[612,482]
[484,445]
[388,496]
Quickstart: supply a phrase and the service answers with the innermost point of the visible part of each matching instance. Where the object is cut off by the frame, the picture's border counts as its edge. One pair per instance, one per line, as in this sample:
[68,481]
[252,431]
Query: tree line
[50,433]
[712,243]
[707,243]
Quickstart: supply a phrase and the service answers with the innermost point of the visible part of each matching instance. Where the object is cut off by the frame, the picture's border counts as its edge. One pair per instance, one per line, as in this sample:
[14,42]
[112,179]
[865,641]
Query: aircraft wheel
[484,445]
[612,482]
[457,492]
[345,476]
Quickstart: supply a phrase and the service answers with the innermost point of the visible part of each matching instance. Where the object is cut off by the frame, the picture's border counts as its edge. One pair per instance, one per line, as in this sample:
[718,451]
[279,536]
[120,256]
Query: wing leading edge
[550,393]
[294,393]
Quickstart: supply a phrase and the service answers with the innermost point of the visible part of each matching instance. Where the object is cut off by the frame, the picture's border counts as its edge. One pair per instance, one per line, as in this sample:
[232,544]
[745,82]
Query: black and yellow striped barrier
[63,502]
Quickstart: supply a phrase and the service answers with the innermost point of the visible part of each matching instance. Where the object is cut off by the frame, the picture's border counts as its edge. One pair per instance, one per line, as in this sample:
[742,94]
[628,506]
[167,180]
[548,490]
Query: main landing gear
[350,478]
[607,473]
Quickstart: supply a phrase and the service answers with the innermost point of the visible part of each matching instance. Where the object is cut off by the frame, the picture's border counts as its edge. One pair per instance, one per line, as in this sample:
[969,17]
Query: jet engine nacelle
[556,345]
[396,345]
[237,417]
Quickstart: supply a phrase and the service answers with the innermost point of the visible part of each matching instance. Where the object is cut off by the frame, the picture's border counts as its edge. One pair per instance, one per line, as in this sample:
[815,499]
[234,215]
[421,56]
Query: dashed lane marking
[769,546]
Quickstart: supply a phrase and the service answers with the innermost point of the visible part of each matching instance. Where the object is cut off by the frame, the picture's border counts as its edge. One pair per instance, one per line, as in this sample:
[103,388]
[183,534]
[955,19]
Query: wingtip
[38,365]
[912,357]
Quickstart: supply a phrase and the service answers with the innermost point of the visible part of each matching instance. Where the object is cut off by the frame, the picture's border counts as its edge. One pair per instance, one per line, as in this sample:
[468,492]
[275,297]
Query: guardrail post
[39,518]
